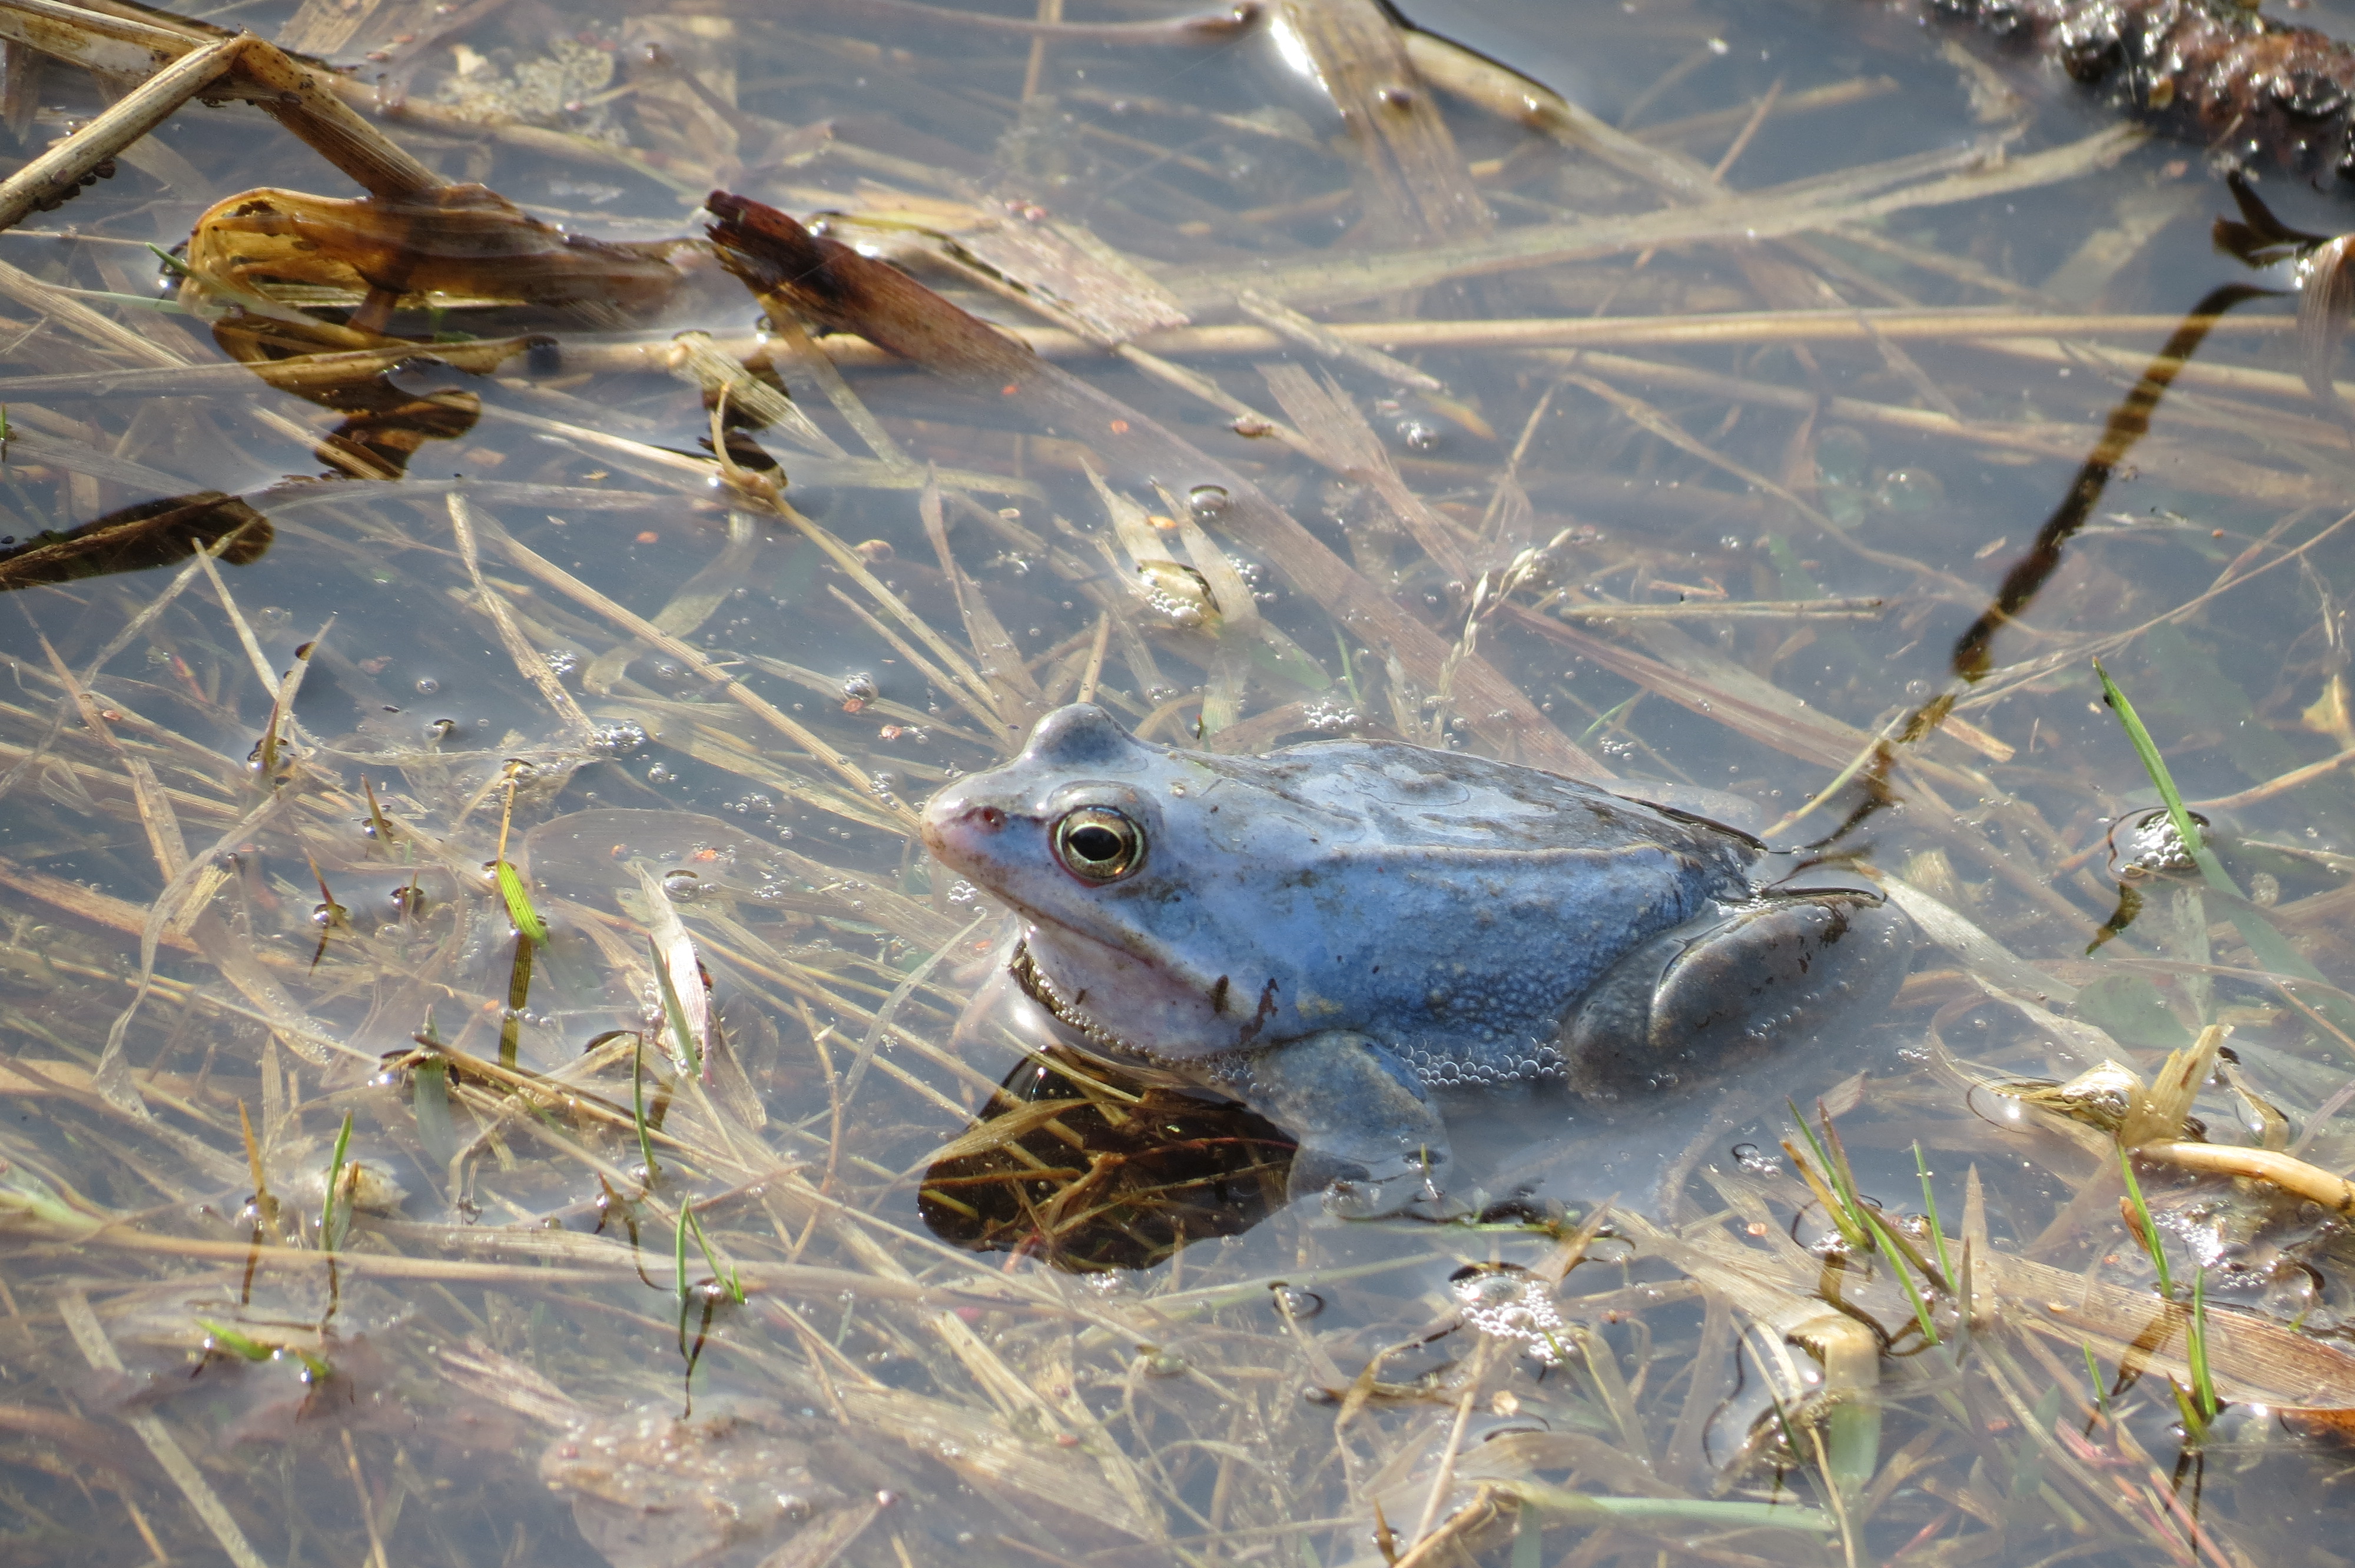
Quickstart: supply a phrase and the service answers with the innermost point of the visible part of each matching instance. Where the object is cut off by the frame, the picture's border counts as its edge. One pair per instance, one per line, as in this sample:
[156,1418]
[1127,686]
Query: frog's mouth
[1066,1009]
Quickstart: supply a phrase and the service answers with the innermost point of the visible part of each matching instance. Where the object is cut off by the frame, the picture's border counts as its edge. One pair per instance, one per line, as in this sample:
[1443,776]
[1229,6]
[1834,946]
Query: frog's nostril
[990,817]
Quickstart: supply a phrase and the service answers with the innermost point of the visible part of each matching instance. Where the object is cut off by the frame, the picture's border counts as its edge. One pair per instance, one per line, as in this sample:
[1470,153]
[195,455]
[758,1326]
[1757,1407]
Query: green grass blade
[1930,1209]
[2138,736]
[428,1099]
[638,1105]
[2150,1241]
[526,918]
[225,1338]
[335,1184]
[2271,949]
[727,1277]
[1881,1239]
[2195,1425]
[674,1012]
[1851,1228]
[2204,1382]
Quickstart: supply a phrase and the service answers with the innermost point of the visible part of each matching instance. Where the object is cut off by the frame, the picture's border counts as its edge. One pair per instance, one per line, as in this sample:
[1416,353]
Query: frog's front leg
[1372,1143]
[1739,982]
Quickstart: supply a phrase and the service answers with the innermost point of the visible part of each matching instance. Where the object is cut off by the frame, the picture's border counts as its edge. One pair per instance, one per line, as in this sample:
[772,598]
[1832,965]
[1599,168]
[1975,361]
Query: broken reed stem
[57,173]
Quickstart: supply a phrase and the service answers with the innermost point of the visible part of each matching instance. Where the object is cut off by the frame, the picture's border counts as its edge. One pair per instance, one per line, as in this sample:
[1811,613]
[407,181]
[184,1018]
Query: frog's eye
[1096,843]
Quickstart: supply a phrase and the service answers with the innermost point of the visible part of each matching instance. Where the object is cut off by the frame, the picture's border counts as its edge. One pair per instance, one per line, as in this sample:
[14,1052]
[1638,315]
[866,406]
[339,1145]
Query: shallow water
[536,620]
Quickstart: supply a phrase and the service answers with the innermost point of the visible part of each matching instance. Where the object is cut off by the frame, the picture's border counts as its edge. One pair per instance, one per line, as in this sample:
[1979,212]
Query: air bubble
[1912,489]
[624,737]
[1420,435]
[1209,502]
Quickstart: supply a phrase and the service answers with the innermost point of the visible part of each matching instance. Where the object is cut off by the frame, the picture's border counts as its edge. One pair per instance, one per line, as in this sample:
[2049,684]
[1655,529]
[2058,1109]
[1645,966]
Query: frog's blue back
[1453,907]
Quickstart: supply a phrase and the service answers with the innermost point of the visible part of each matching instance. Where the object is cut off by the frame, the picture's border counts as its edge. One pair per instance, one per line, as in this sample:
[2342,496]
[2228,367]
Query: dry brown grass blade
[721,375]
[1852,197]
[529,662]
[1412,176]
[1019,702]
[1317,338]
[803,356]
[1784,724]
[798,271]
[572,587]
[1195,383]
[56,173]
[2323,304]
[1506,94]
[1345,442]
[294,93]
[882,1030]
[987,1453]
[60,305]
[82,904]
[978,697]
[692,603]
[89,1336]
[2254,1360]
[1653,420]
[1727,609]
[2158,1115]
[2285,1171]
[156,814]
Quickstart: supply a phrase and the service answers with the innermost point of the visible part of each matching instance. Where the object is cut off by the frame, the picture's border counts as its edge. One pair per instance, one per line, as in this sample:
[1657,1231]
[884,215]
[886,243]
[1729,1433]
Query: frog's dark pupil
[1095,844]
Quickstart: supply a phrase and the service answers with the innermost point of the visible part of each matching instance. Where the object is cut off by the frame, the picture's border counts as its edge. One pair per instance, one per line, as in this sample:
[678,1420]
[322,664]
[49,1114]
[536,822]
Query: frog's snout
[958,827]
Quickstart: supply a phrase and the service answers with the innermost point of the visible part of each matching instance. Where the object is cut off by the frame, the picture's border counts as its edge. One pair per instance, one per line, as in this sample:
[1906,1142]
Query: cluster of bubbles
[622,738]
[1506,1301]
[1330,717]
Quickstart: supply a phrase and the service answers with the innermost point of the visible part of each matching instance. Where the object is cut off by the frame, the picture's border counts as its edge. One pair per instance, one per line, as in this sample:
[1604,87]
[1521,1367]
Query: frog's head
[1103,843]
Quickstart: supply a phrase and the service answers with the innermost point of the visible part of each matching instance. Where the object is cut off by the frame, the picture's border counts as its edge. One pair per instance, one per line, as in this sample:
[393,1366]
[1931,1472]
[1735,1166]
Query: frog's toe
[1716,991]
[1349,1189]
[1371,1143]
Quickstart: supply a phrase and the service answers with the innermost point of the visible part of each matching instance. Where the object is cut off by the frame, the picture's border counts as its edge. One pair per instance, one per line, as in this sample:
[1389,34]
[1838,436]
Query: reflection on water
[1683,428]
[1090,1175]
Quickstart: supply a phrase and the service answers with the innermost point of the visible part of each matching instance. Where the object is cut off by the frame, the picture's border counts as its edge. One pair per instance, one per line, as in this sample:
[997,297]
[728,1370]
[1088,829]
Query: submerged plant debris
[489,1064]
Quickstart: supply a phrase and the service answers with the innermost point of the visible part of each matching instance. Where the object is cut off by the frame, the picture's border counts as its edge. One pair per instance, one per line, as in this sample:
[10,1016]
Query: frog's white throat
[1066,1012]
[1170,1022]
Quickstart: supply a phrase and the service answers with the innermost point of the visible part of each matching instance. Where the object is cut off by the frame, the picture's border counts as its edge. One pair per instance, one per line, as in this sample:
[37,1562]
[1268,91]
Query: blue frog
[1331,933]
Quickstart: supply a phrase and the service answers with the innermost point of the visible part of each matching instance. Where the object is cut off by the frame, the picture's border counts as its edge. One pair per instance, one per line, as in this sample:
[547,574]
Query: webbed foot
[1735,984]
[1372,1143]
